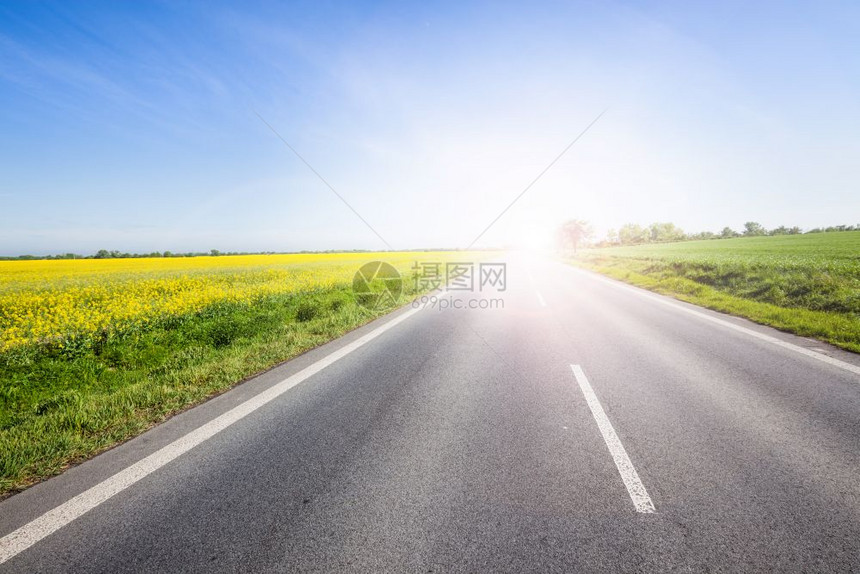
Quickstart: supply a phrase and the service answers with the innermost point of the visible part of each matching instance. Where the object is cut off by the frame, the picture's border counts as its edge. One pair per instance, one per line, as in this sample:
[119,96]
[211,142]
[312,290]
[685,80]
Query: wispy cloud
[143,115]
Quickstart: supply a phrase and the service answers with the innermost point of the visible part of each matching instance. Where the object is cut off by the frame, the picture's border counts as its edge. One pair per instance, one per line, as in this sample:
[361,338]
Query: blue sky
[132,125]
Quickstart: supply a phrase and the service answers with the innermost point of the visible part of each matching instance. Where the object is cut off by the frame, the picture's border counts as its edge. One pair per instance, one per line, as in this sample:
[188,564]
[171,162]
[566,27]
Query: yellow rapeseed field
[48,301]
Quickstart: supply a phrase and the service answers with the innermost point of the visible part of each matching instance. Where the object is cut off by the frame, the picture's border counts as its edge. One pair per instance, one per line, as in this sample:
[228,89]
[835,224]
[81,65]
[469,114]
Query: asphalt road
[463,441]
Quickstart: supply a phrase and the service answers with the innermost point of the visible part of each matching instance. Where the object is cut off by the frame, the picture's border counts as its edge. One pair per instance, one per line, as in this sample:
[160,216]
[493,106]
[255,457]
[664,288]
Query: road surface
[586,426]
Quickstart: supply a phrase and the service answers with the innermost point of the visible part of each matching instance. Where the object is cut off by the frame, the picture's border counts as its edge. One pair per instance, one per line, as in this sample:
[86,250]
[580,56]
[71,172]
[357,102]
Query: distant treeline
[105,254]
[633,234]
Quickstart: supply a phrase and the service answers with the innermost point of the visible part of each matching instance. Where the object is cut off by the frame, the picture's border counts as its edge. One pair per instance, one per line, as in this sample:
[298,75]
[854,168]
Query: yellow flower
[43,301]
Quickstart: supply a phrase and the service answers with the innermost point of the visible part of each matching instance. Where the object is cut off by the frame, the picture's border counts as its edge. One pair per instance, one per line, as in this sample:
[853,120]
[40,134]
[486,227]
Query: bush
[307,311]
[223,333]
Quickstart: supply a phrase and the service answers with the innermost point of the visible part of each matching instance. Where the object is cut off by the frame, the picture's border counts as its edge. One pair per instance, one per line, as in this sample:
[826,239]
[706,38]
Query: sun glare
[532,238]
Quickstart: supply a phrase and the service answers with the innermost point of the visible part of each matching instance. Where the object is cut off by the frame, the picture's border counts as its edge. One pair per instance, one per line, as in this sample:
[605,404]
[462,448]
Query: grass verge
[806,302]
[60,406]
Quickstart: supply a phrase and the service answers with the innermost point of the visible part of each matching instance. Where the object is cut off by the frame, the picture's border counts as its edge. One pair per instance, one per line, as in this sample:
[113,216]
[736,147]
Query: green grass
[804,284]
[61,406]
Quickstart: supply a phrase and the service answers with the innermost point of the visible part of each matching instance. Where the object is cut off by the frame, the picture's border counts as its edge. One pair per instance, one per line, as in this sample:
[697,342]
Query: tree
[702,235]
[574,232]
[631,234]
[728,232]
[753,228]
[666,232]
[783,230]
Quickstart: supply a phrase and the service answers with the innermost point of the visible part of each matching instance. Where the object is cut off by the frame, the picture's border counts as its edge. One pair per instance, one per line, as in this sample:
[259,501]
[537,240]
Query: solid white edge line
[19,540]
[778,342]
[628,473]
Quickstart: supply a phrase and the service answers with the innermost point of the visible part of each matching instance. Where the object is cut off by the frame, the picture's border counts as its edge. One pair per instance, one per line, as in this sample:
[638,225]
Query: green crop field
[804,284]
